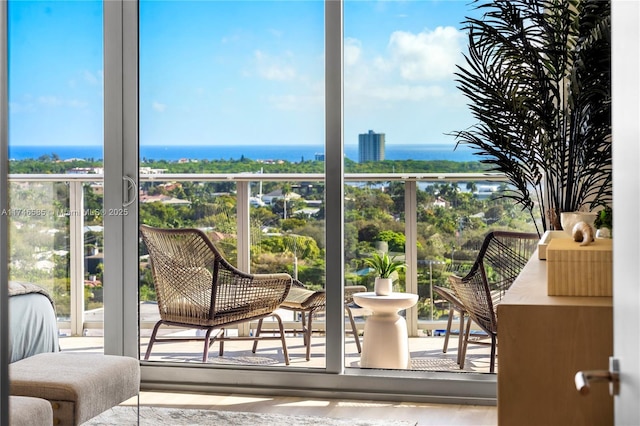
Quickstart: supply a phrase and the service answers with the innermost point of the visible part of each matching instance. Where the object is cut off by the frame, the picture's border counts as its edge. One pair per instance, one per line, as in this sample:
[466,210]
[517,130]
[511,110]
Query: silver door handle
[129,184]
[583,378]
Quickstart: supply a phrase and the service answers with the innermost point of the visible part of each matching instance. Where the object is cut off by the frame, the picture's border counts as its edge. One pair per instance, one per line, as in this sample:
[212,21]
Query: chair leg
[460,338]
[303,320]
[463,354]
[207,345]
[447,331]
[152,340]
[285,352]
[255,342]
[307,333]
[221,333]
[494,343]
[354,330]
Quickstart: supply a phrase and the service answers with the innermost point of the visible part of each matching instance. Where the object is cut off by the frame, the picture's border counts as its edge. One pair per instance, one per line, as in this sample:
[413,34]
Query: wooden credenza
[542,342]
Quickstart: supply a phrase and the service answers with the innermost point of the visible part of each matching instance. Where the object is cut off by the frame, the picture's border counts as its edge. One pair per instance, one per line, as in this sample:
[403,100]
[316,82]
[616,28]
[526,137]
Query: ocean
[289,153]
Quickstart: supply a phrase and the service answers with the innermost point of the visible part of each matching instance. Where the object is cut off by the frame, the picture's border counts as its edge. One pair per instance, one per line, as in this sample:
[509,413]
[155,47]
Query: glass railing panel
[283,238]
[450,224]
[287,235]
[39,241]
[93,256]
[452,221]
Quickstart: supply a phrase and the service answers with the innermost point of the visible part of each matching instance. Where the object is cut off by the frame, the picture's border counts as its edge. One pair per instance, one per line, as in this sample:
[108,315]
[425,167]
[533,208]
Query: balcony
[65,231]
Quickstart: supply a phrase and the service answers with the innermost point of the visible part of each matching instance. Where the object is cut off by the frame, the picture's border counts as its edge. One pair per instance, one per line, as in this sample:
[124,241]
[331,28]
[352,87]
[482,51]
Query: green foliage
[538,78]
[395,240]
[292,223]
[370,209]
[147,293]
[384,265]
[605,218]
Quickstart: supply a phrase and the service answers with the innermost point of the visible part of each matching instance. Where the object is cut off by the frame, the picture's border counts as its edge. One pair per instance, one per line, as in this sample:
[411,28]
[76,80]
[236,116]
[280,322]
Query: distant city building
[319,156]
[370,147]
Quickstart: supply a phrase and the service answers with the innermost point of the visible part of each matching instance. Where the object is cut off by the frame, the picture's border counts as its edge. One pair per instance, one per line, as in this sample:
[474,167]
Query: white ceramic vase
[569,219]
[383,286]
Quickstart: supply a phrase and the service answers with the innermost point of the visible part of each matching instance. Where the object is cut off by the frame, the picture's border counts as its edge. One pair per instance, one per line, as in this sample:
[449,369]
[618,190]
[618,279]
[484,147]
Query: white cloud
[50,101]
[286,102]
[276,33]
[414,67]
[56,101]
[159,107]
[18,107]
[296,102]
[230,38]
[274,68]
[406,93]
[76,103]
[352,51]
[429,55]
[92,78]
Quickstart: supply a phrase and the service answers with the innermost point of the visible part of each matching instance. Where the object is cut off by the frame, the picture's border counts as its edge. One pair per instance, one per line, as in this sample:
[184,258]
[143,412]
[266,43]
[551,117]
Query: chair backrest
[193,282]
[502,257]
[183,264]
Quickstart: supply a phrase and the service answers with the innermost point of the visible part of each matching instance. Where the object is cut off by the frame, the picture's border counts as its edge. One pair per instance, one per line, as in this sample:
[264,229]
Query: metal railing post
[76,255]
[411,250]
[244,238]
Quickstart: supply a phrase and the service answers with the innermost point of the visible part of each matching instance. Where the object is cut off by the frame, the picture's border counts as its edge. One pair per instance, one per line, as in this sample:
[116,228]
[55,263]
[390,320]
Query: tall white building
[370,147]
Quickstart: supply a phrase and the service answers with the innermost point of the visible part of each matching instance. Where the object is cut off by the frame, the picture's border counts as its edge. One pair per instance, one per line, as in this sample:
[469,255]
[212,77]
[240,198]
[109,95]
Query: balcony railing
[76,322]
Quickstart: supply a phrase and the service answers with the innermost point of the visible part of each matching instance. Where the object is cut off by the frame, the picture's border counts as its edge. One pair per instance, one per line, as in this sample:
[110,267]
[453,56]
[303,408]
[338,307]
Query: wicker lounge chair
[197,288]
[501,258]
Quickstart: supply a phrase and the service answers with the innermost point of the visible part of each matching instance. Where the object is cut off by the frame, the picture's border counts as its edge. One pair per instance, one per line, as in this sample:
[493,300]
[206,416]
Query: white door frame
[626,179]
[121,178]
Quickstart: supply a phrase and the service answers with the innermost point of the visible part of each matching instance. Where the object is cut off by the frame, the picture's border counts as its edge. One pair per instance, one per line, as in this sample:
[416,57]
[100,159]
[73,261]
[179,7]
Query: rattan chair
[501,258]
[308,302]
[197,288]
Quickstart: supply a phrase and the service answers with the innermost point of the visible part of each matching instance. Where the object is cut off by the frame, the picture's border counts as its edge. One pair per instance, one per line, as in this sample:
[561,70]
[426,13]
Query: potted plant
[538,80]
[604,222]
[384,266]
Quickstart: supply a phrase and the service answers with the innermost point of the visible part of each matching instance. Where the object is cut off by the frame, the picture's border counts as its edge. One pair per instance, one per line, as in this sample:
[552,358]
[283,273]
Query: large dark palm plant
[538,78]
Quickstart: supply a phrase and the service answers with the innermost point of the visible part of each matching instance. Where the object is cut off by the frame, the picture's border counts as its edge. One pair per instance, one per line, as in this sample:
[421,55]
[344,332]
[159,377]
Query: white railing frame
[243,181]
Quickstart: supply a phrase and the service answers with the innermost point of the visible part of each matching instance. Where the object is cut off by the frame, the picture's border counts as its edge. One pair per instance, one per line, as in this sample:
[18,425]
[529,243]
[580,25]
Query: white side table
[385,341]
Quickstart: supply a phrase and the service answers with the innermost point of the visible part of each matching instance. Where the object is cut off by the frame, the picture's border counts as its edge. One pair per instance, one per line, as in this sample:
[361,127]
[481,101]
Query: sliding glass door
[228,117]
[242,135]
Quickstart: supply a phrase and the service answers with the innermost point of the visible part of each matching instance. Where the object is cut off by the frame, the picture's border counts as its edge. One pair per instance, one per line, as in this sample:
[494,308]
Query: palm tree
[538,78]
[472,187]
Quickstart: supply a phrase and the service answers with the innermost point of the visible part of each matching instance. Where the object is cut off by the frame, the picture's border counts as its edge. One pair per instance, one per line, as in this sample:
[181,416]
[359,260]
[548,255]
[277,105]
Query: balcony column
[411,251]
[76,255]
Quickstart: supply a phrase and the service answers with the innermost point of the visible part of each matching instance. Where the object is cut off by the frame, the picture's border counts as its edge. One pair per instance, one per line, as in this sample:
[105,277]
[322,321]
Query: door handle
[129,184]
[583,378]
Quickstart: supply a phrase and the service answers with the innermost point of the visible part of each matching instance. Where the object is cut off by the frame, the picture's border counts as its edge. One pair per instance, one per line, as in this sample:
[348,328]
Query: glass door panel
[401,106]
[55,151]
[231,99]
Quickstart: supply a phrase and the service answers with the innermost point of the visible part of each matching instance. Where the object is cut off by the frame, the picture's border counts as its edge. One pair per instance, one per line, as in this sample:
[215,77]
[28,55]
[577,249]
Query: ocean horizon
[294,154]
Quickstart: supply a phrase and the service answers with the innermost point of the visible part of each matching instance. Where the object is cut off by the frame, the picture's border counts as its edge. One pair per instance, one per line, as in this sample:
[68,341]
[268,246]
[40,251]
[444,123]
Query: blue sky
[241,72]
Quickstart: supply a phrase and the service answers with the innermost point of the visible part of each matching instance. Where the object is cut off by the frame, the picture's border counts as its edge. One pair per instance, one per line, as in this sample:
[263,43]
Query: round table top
[391,302]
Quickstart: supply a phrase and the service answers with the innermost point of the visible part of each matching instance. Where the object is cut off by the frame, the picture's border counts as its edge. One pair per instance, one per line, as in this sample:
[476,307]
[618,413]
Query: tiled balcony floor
[426,352]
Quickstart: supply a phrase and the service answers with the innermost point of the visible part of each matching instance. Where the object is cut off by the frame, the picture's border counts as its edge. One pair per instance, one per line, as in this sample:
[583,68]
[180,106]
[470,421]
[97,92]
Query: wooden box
[574,270]
[546,239]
